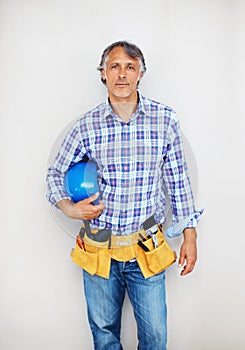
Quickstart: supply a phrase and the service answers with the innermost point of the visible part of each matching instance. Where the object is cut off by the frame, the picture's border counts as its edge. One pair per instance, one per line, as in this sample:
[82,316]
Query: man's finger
[93,197]
[181,260]
[188,268]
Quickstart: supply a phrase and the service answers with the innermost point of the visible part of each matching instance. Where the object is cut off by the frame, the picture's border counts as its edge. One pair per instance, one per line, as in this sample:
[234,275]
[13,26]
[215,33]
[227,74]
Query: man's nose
[122,72]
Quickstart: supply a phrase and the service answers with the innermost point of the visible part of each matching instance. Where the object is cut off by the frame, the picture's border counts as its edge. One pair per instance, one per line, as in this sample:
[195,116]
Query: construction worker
[136,144]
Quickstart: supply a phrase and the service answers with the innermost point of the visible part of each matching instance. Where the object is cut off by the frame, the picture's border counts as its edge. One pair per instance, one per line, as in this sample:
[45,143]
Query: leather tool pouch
[92,259]
[157,259]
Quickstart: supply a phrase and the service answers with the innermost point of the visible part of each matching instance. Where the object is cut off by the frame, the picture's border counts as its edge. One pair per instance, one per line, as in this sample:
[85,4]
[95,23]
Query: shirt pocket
[150,153]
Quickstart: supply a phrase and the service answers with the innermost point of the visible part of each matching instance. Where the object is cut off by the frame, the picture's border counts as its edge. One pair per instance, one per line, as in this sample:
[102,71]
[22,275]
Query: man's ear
[140,77]
[103,74]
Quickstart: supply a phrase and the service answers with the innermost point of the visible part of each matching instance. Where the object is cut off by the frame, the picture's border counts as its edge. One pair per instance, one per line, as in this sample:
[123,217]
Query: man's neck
[124,109]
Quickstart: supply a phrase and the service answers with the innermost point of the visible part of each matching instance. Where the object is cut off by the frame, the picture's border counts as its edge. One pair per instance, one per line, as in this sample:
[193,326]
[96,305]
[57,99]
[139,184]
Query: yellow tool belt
[95,258]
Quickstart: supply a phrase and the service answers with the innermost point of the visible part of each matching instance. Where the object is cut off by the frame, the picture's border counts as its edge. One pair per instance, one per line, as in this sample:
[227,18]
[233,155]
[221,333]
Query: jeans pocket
[160,258]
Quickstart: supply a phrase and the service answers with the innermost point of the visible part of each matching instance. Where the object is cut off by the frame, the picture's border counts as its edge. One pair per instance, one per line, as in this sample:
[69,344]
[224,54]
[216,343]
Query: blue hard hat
[81,181]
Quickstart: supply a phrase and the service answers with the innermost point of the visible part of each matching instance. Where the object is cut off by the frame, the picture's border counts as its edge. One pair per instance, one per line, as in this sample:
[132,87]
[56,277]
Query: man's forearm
[83,210]
[66,206]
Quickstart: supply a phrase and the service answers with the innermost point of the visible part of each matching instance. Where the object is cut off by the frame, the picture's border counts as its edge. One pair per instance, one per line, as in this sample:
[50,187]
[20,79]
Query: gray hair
[130,49]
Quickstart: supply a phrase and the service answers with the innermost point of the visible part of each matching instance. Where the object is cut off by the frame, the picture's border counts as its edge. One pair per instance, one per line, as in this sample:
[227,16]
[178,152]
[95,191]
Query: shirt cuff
[56,197]
[190,221]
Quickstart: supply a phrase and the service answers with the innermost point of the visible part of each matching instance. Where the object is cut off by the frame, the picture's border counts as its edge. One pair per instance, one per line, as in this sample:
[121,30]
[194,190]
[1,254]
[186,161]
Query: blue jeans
[105,299]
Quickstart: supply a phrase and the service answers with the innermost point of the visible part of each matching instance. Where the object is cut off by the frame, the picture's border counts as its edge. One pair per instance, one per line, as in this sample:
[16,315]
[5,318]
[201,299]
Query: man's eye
[114,66]
[131,67]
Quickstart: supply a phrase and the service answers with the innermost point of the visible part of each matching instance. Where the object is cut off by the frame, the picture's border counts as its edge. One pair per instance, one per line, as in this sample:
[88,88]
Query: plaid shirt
[140,163]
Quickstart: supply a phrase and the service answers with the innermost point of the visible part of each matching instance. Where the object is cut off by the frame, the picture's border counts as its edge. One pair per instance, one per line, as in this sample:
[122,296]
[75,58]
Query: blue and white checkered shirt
[139,164]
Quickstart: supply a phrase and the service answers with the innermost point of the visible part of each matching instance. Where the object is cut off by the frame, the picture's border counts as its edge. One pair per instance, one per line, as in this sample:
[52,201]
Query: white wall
[195,57]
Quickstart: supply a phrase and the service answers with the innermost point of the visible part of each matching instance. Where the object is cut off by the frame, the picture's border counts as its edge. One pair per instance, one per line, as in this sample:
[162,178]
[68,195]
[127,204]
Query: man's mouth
[121,83]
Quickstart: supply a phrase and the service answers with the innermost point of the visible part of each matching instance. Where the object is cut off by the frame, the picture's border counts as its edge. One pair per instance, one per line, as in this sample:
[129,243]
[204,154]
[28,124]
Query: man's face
[122,74]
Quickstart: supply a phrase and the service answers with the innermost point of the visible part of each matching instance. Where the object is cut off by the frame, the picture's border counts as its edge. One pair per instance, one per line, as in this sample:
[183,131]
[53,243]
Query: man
[136,144]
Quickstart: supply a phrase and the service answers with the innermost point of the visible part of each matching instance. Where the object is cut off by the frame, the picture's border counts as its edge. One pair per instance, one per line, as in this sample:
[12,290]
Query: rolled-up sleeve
[177,183]
[70,152]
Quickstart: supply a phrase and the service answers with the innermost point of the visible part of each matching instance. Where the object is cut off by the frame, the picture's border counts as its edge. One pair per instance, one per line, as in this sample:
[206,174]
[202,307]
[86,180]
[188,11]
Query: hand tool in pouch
[151,228]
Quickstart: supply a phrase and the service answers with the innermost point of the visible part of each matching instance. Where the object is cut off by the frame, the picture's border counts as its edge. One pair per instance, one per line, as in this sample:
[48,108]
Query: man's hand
[83,210]
[188,251]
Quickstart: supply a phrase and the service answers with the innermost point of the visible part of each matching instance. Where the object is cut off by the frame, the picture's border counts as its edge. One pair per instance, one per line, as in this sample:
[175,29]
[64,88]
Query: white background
[195,57]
